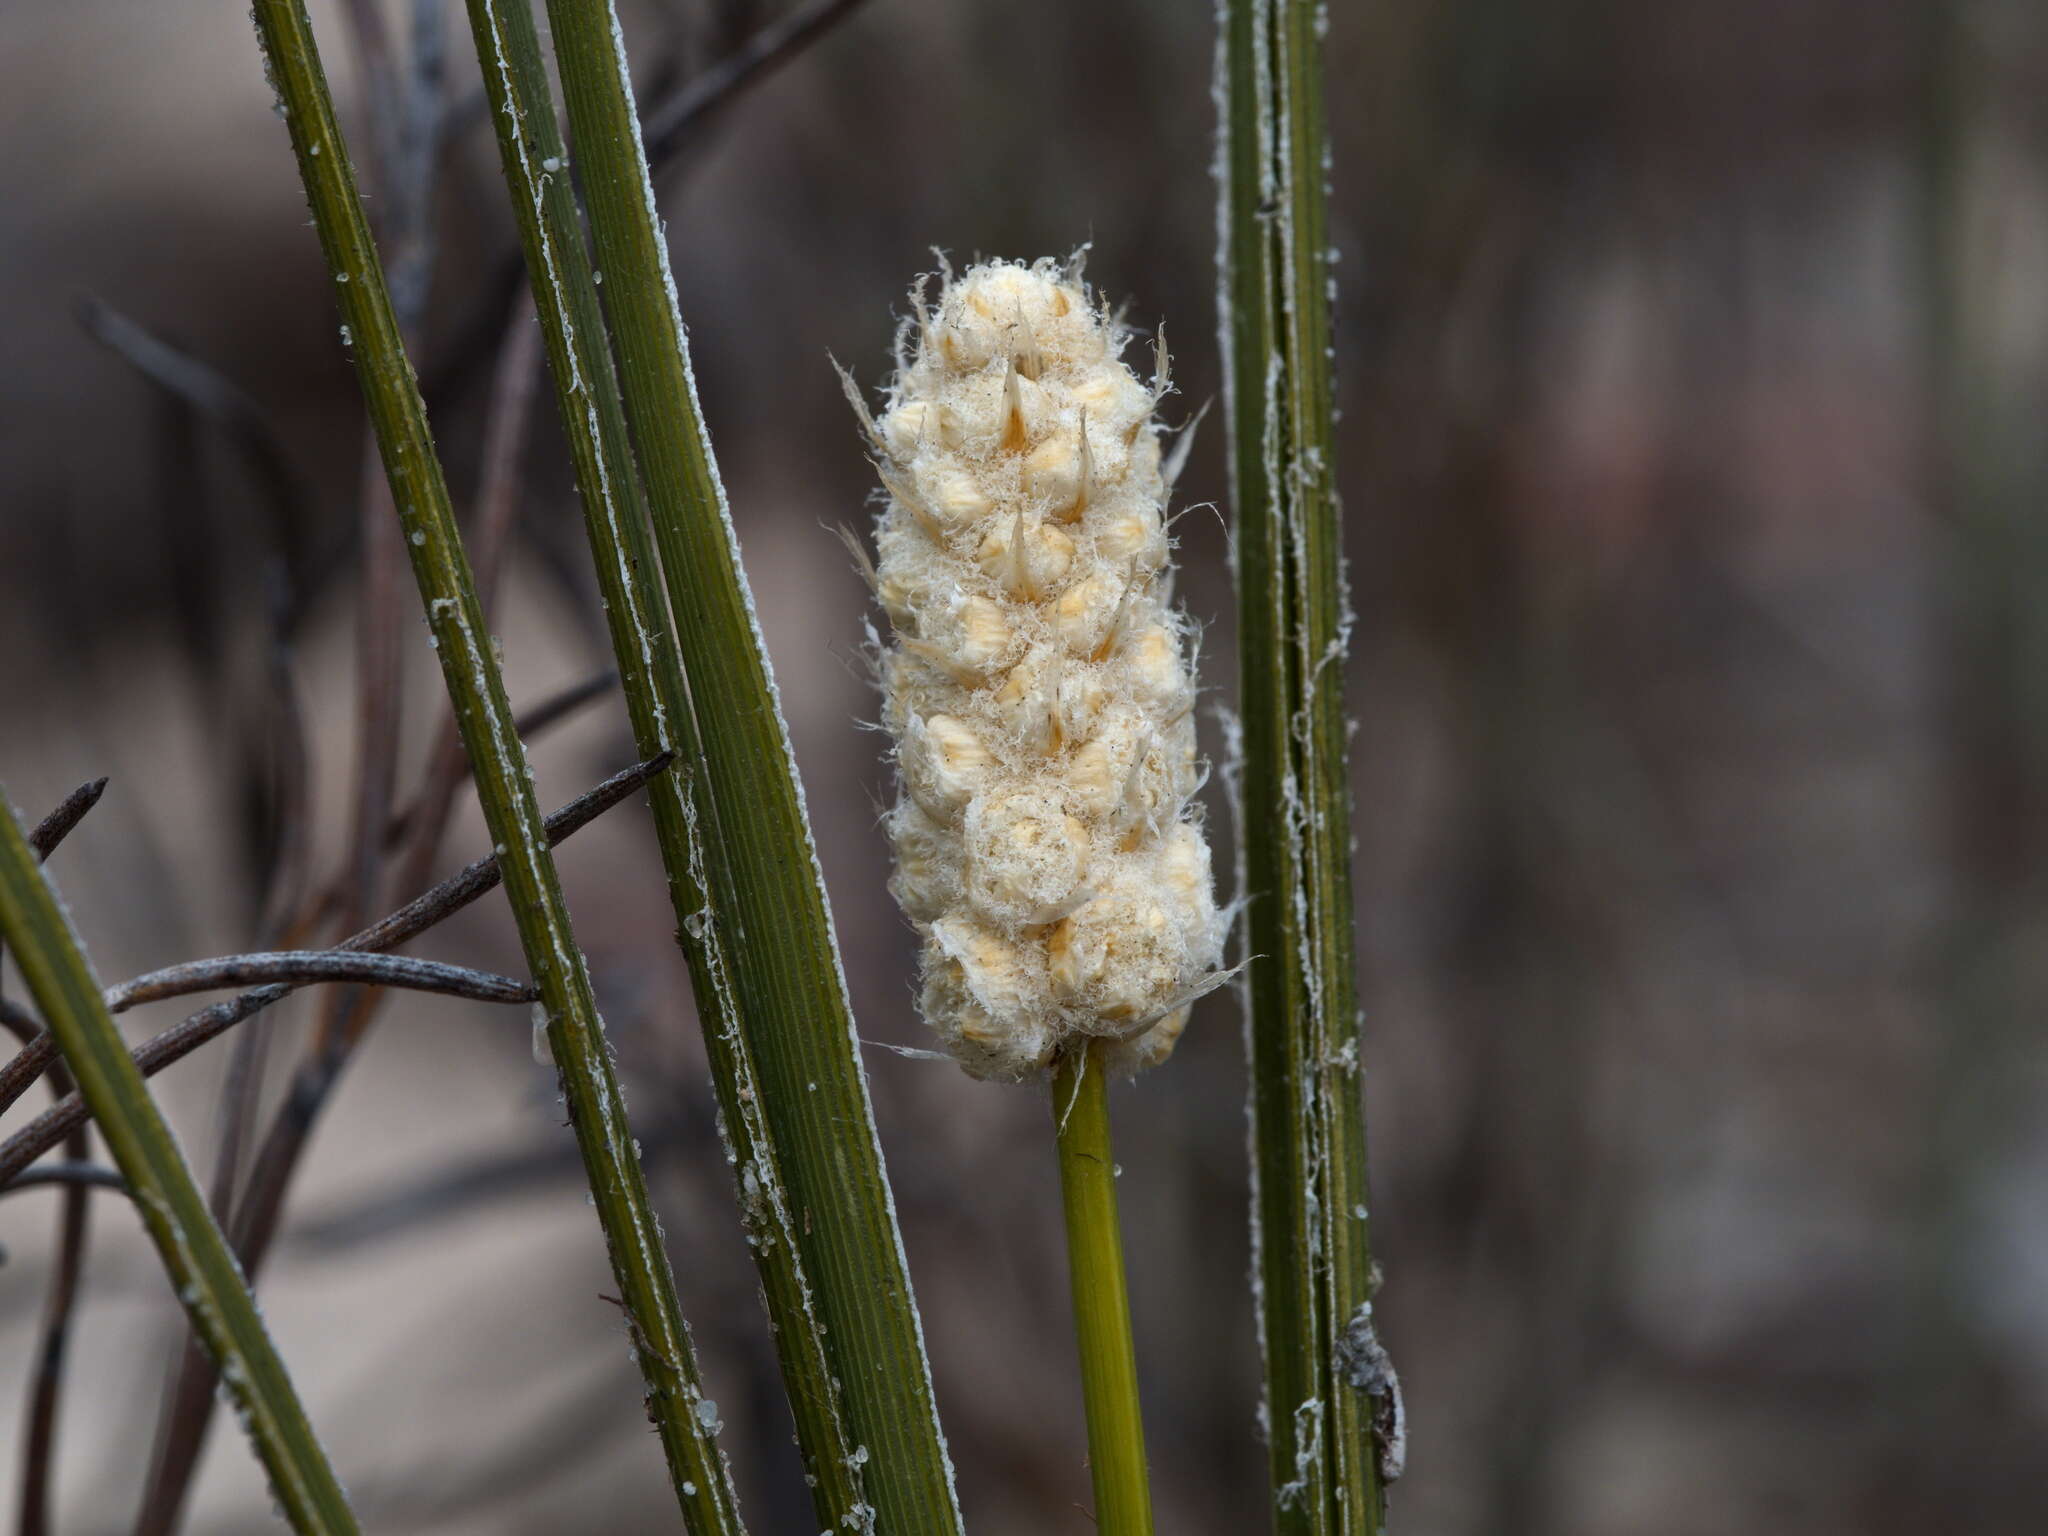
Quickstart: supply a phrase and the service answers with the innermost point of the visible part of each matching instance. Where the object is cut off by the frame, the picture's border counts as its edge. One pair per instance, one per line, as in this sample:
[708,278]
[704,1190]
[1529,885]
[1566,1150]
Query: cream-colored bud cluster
[1037,686]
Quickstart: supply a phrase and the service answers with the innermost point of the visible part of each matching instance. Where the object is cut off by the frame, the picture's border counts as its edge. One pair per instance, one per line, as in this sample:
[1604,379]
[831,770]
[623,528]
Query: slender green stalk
[684,1419]
[764,876]
[1331,1403]
[195,1256]
[615,520]
[1102,1310]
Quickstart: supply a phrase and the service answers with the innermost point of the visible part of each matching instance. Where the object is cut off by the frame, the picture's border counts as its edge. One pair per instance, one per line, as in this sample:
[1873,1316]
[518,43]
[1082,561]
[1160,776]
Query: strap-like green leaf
[767,889]
[1329,1394]
[686,1421]
[196,1258]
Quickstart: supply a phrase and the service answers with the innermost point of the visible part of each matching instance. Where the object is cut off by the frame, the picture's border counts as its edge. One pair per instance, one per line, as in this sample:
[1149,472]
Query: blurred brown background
[1694,360]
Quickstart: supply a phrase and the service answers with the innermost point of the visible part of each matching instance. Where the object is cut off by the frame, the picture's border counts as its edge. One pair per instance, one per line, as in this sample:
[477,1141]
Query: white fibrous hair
[1037,684]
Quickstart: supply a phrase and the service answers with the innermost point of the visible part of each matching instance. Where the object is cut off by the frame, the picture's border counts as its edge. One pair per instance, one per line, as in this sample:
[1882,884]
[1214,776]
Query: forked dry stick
[408,922]
[1039,692]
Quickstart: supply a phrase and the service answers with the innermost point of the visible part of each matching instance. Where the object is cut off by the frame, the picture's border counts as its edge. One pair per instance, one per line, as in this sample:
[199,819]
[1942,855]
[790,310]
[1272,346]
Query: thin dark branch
[286,872]
[503,1175]
[548,712]
[379,686]
[20,1023]
[48,1128]
[241,1086]
[261,1207]
[410,262]
[506,430]
[497,287]
[425,818]
[301,966]
[193,386]
[411,920]
[52,830]
[230,408]
[559,706]
[46,1381]
[187,520]
[405,99]
[290,860]
[72,1174]
[459,890]
[667,127]
[409,140]
[285,880]
[406,119]
[39,1053]
[376,59]
[56,826]
[407,125]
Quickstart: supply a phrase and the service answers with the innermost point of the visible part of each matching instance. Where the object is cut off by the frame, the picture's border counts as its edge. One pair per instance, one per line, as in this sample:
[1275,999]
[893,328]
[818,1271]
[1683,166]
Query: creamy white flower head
[1037,684]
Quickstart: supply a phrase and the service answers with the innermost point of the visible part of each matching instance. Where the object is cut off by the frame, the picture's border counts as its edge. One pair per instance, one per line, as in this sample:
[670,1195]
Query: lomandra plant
[1038,694]
[1039,687]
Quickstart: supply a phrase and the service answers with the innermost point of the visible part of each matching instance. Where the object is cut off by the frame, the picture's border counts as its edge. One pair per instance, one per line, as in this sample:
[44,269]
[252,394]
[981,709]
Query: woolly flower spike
[1037,687]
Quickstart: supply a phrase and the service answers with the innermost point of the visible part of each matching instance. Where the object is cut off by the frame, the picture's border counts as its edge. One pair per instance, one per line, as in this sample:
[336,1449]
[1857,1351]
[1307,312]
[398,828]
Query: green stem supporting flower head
[1102,1313]
[1039,694]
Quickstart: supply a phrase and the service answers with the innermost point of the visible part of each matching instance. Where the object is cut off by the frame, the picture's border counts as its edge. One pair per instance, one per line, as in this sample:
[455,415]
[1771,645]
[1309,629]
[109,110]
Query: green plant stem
[763,874]
[194,1254]
[682,1417]
[67,1268]
[1330,1397]
[658,702]
[1102,1311]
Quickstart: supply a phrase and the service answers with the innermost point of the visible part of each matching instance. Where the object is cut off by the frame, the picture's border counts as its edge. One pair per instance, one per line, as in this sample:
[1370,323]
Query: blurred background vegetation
[1693,360]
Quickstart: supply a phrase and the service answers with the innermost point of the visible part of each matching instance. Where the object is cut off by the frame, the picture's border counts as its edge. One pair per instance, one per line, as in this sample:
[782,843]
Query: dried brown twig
[555,707]
[350,1011]
[425,819]
[408,922]
[71,1175]
[666,128]
[232,410]
[303,966]
[56,826]
[547,712]
[24,1026]
[669,127]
